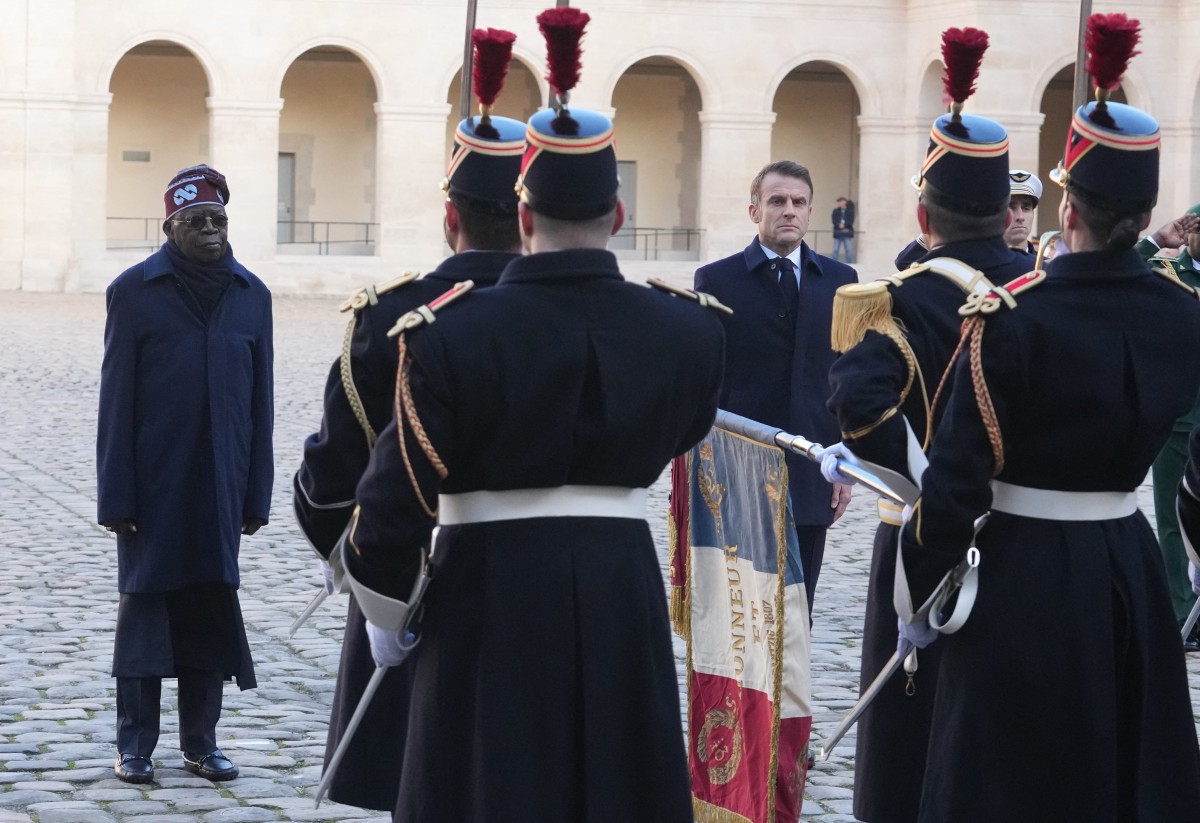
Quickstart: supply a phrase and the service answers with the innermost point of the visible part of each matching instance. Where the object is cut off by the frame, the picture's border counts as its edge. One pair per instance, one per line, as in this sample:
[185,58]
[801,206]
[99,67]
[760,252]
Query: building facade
[332,119]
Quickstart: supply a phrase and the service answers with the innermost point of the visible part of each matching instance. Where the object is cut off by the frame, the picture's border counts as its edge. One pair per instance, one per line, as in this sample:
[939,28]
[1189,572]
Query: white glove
[829,464]
[387,647]
[1194,576]
[917,634]
[327,576]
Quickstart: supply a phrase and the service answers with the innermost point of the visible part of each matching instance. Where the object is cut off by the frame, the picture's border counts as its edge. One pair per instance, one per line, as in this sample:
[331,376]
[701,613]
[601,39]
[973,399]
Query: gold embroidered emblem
[712,491]
[720,743]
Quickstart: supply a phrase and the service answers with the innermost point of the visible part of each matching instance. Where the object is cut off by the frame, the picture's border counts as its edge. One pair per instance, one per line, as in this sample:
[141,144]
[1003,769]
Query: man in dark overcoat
[481,226]
[535,415]
[184,468]
[777,352]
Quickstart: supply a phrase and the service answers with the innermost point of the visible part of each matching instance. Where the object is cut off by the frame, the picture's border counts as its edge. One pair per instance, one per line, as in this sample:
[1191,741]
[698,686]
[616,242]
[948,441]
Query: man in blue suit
[777,349]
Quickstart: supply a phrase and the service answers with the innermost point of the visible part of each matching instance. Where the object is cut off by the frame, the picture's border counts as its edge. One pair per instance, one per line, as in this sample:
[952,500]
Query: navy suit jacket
[777,362]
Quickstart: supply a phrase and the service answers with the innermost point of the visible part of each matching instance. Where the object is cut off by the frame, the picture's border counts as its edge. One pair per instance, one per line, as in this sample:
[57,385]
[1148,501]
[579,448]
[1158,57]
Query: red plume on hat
[962,52]
[563,29]
[493,52]
[1110,42]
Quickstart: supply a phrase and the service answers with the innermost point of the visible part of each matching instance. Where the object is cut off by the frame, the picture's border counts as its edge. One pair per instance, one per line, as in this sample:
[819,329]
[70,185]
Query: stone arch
[867,93]
[158,123]
[684,60]
[328,137]
[368,58]
[828,145]
[657,103]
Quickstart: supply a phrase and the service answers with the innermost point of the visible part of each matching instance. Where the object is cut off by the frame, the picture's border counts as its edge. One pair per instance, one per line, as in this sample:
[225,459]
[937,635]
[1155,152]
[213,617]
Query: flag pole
[468,61]
[1080,91]
[558,4]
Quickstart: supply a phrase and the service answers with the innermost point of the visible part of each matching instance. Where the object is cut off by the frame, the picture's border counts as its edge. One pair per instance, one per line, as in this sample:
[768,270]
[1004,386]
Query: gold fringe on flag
[707,813]
[859,308]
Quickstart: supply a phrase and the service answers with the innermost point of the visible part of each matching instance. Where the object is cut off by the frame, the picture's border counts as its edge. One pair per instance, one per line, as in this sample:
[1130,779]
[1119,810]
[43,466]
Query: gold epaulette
[425,314]
[706,300]
[369,296]
[859,308]
[1005,295]
[1167,270]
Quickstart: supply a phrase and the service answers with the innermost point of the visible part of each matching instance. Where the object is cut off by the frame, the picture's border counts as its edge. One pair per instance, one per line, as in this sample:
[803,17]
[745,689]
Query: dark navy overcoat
[776,361]
[184,442]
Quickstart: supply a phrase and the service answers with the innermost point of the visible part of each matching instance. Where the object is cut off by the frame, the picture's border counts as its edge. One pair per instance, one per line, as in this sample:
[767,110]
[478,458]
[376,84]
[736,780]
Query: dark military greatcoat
[334,460]
[545,685]
[1066,687]
[869,383]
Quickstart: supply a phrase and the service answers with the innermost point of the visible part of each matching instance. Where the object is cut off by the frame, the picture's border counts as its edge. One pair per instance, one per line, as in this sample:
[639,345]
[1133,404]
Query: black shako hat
[569,171]
[1112,152]
[484,167]
[571,175]
[966,163]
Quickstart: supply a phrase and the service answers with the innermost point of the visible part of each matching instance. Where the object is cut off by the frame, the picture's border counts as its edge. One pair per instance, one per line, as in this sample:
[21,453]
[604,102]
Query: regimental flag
[738,599]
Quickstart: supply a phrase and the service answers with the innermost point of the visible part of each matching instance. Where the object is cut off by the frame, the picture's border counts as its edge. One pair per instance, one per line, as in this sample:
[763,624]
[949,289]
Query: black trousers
[139,710]
[812,552]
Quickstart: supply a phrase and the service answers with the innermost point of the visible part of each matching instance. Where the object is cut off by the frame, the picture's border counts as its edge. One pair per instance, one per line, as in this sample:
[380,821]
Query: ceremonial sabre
[1191,619]
[775,436]
[958,578]
[317,600]
[348,733]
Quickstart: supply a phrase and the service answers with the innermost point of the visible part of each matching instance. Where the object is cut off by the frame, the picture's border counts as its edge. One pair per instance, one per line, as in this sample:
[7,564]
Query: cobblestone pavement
[58,598]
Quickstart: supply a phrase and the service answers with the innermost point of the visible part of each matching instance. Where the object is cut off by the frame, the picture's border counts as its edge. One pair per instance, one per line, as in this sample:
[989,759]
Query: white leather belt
[561,501]
[1057,505]
[890,512]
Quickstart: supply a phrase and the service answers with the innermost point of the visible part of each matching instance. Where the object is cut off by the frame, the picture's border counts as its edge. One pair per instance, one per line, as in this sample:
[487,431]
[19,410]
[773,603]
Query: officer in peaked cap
[1025,192]
[898,336]
[533,417]
[480,225]
[1068,385]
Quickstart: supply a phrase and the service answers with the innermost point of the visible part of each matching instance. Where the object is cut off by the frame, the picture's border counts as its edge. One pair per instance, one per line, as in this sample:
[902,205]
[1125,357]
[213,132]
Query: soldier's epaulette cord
[362,298]
[369,295]
[706,300]
[975,310]
[405,409]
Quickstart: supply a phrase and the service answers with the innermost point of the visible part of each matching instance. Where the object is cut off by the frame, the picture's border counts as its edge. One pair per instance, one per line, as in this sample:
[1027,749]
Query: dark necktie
[787,284]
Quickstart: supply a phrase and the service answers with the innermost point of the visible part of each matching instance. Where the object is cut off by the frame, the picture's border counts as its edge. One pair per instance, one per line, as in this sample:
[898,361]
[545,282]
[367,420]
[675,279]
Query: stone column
[89,269]
[1024,137]
[734,147]
[244,146]
[1179,173]
[411,164]
[890,153]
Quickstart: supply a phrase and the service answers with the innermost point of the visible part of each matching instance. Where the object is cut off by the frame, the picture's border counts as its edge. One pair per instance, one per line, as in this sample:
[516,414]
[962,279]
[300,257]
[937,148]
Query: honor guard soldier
[897,336]
[1067,686]
[480,225]
[534,417]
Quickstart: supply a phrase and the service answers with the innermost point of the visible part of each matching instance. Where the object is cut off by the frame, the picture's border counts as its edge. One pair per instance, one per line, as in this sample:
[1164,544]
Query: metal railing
[134,233]
[658,244]
[328,236]
[303,236]
[821,241]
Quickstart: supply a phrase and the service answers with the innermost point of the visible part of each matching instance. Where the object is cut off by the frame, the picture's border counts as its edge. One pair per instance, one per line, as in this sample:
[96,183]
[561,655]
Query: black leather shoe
[1191,643]
[134,769]
[213,766]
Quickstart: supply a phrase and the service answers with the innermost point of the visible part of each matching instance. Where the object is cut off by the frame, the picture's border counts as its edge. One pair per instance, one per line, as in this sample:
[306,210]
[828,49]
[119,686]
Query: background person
[843,230]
